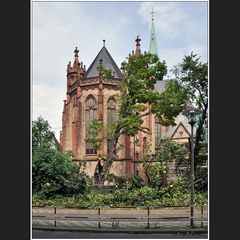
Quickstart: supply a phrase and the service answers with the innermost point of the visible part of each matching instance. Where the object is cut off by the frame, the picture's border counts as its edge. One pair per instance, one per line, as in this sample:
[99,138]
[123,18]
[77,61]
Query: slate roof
[108,63]
[160,85]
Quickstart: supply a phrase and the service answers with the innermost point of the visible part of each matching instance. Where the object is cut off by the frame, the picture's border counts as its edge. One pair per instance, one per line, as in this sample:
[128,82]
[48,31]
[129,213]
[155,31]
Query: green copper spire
[153,39]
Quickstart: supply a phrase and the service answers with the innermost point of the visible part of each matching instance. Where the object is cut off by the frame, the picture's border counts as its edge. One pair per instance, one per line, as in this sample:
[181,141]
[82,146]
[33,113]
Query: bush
[54,173]
[123,197]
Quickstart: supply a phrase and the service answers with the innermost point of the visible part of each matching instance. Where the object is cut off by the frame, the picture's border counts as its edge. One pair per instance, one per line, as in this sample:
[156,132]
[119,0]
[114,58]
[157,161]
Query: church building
[89,97]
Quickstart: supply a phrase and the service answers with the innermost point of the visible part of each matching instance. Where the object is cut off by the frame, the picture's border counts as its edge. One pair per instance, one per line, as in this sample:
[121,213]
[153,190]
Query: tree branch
[143,115]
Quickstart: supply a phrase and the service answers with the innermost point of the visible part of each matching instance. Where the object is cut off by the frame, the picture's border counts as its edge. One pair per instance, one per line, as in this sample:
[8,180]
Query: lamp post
[191,112]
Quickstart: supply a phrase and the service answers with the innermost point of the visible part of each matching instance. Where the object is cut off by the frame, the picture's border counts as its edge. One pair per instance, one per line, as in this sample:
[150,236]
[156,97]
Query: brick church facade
[89,97]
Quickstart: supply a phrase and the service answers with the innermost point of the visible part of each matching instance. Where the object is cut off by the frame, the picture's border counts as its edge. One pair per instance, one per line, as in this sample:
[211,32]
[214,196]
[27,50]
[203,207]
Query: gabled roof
[108,63]
[180,120]
[170,134]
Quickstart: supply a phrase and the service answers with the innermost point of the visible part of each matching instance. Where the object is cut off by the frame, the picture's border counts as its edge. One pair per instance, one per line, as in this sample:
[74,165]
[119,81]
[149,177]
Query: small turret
[138,49]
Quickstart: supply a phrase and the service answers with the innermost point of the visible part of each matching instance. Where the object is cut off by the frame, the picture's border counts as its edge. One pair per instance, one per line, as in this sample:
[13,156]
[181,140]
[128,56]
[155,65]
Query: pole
[192,180]
[55,222]
[134,168]
[148,217]
[99,225]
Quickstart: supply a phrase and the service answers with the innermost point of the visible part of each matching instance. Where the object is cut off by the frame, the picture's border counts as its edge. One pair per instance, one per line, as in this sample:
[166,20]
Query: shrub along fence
[120,217]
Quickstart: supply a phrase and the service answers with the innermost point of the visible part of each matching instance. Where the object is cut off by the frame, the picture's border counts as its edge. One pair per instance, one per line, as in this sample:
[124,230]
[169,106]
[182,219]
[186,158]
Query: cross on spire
[152,12]
[137,40]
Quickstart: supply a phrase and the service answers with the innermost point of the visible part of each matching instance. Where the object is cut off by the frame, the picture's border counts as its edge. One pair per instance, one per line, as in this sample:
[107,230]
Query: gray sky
[59,27]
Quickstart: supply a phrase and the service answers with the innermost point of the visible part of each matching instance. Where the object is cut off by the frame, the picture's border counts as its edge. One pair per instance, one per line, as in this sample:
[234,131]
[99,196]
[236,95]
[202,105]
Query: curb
[126,230]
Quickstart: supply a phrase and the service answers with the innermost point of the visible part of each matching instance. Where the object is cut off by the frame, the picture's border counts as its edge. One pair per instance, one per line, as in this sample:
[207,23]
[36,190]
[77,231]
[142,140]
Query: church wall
[69,111]
[81,142]
[118,166]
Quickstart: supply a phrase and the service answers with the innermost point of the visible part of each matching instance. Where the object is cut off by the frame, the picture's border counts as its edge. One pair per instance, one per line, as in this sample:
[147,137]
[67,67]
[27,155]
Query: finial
[76,60]
[69,66]
[104,42]
[76,51]
[137,40]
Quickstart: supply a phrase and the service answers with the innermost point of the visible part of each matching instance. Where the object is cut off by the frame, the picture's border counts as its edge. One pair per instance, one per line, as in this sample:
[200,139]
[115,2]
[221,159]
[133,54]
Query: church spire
[138,50]
[153,39]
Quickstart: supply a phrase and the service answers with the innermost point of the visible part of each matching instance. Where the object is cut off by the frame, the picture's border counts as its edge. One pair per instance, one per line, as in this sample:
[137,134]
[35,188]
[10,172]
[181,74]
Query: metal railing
[116,217]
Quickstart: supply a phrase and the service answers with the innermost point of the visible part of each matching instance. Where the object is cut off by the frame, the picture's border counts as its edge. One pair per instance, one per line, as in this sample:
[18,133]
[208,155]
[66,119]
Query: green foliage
[140,197]
[170,103]
[192,75]
[53,172]
[42,136]
[105,73]
[201,179]
[158,166]
[94,136]
[137,91]
[128,182]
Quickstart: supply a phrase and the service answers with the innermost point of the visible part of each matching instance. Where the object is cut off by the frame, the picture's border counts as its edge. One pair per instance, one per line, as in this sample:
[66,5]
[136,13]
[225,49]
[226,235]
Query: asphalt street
[41,234]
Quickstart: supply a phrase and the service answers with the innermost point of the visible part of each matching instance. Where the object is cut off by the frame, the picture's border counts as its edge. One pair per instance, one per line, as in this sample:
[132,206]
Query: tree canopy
[192,75]
[42,135]
[139,99]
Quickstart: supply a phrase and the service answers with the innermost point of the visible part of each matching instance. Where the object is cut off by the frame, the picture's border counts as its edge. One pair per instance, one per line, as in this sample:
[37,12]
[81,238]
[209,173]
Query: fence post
[202,216]
[55,222]
[148,217]
[99,225]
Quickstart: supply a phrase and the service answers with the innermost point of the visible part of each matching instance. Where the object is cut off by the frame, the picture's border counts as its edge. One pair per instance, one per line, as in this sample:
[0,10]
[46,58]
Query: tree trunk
[198,140]
[110,158]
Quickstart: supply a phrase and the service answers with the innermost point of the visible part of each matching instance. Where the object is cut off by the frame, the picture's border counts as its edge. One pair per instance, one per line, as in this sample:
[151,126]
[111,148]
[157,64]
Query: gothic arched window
[111,111]
[111,116]
[90,115]
[157,134]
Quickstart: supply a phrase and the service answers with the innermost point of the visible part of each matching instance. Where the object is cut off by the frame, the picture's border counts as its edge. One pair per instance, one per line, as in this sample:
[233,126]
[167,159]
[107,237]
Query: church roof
[108,63]
[160,85]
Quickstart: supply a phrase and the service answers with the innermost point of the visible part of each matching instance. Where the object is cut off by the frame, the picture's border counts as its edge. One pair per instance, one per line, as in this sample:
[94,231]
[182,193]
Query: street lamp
[190,112]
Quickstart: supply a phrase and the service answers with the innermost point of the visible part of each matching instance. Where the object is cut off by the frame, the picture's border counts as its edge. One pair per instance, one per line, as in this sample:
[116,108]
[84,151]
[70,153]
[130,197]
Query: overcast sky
[59,27]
